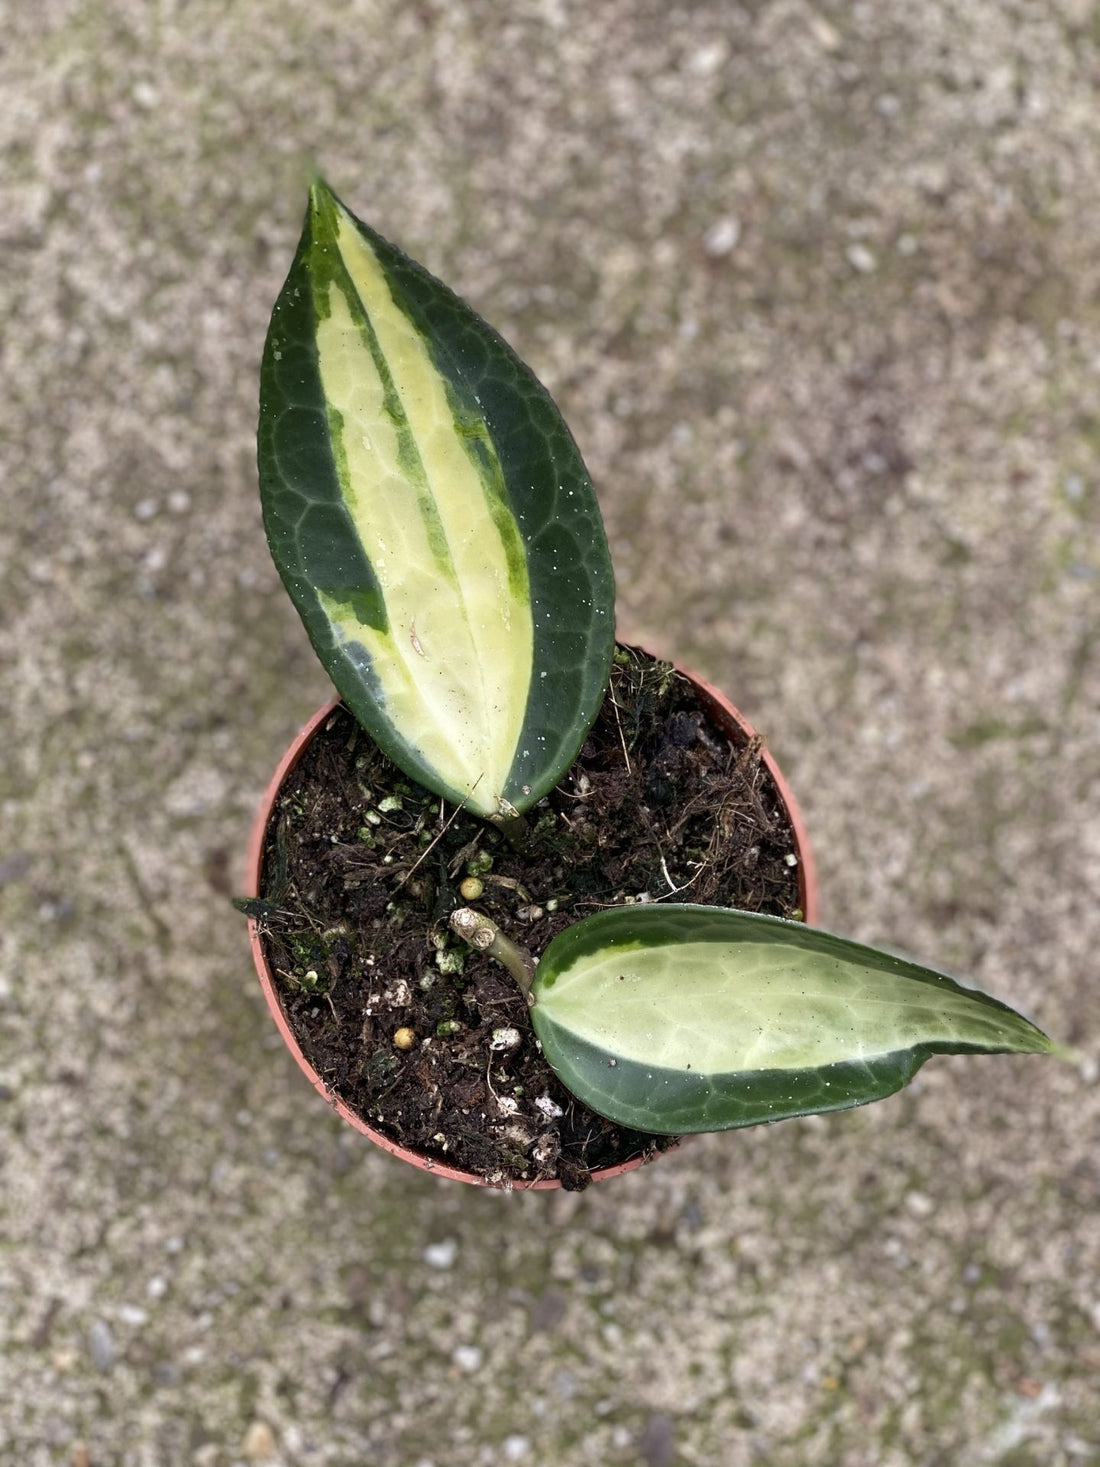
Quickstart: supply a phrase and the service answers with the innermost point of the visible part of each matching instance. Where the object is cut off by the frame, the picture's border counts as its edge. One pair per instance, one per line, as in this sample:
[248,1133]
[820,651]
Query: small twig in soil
[622,736]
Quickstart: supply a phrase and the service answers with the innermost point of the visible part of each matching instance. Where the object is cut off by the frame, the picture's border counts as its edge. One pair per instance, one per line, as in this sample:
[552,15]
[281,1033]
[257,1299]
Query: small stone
[133,1314]
[825,34]
[146,509]
[722,237]
[259,1442]
[404,1038]
[516,1448]
[179,501]
[708,59]
[861,258]
[145,95]
[441,1255]
[548,1107]
[1074,488]
[657,1446]
[101,1344]
[468,1358]
[920,1204]
[504,1039]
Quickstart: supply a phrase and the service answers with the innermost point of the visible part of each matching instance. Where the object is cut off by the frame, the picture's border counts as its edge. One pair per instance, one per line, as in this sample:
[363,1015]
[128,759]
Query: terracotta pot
[721,710]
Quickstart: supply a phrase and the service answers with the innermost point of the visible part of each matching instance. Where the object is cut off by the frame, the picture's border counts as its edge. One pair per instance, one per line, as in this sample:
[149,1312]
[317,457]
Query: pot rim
[719,705]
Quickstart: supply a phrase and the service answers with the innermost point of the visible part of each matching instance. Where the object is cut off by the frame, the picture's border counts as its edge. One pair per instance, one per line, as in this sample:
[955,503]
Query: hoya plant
[434,523]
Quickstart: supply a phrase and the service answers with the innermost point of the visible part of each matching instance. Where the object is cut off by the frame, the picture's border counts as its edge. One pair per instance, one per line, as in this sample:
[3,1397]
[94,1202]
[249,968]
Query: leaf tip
[319,192]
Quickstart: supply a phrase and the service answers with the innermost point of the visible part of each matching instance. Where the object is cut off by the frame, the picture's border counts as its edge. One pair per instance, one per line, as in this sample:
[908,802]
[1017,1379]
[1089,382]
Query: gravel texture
[818,291]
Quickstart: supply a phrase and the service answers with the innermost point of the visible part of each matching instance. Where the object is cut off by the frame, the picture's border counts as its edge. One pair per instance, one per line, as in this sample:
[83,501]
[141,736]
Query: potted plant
[521,881]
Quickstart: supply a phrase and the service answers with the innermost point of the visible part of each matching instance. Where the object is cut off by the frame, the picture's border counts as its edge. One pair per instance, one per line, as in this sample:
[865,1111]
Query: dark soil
[362,869]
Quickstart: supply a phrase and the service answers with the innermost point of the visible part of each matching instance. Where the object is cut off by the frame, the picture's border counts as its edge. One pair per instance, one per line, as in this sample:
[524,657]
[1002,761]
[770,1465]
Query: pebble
[468,1357]
[259,1442]
[101,1344]
[826,35]
[146,509]
[722,237]
[441,1255]
[133,1314]
[516,1448]
[657,1445]
[157,1287]
[708,59]
[861,258]
[920,1204]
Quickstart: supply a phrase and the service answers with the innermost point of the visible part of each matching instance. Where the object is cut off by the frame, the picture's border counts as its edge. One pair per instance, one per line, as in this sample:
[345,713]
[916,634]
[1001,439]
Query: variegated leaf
[432,519]
[689,1018]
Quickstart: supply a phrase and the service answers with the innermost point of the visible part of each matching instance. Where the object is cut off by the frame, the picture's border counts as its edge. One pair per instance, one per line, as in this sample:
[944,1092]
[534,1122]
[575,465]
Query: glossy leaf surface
[687,1018]
[432,519]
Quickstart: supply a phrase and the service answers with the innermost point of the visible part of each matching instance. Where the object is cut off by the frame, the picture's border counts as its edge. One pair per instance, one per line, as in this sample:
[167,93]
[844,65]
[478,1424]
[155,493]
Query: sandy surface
[818,290]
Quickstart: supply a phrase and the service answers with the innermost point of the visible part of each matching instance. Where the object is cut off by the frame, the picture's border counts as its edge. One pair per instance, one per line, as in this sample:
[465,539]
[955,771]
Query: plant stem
[482,933]
[514,828]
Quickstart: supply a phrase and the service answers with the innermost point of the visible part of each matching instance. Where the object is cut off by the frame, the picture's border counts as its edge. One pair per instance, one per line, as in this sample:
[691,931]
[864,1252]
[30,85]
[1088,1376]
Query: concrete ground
[818,289]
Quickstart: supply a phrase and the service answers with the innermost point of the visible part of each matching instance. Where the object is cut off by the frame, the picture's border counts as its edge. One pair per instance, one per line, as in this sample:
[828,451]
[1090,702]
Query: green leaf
[432,520]
[688,1018]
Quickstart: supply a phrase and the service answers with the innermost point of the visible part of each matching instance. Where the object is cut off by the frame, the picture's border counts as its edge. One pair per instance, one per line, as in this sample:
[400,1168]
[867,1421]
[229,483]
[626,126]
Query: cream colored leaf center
[723,1008]
[454,666]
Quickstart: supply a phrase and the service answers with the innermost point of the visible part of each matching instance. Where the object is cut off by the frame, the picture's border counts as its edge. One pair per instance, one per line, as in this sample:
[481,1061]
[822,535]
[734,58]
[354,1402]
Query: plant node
[482,933]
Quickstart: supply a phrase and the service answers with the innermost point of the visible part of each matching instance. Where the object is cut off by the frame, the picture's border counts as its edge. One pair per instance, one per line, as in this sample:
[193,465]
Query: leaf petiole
[483,934]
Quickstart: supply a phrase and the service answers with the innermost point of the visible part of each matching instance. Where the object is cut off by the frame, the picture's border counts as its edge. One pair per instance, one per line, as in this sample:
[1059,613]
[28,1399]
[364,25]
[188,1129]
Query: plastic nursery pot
[723,713]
